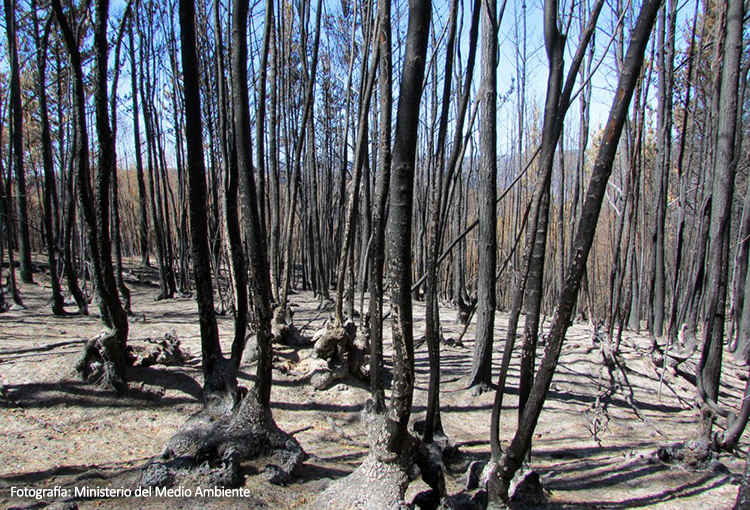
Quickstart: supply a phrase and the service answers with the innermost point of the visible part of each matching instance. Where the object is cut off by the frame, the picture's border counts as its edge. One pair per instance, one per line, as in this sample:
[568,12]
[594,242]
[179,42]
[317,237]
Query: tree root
[284,331]
[695,454]
[103,362]
[445,447]
[374,485]
[525,489]
[208,449]
[380,482]
[166,351]
[479,389]
[344,351]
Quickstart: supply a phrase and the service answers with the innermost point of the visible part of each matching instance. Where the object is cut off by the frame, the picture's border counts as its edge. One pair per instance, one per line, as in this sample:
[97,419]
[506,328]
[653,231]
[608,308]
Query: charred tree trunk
[69,265]
[142,195]
[24,243]
[115,194]
[709,368]
[233,426]
[512,458]
[47,162]
[108,350]
[260,281]
[537,238]
[390,452]
[377,248]
[295,177]
[480,378]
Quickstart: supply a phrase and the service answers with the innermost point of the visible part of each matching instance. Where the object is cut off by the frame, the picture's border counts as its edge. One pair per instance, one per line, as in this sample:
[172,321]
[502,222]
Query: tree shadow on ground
[71,393]
[167,379]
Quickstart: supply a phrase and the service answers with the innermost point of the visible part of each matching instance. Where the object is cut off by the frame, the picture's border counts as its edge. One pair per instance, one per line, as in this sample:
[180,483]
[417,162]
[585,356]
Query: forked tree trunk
[389,452]
[108,349]
[553,128]
[232,426]
[24,244]
[511,460]
[49,172]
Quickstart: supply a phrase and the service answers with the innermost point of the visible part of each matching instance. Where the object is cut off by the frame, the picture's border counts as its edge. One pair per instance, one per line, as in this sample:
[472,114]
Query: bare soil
[591,451]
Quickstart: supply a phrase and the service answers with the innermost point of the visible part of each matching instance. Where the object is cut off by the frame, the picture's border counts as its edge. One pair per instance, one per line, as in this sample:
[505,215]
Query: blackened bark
[377,247]
[480,377]
[115,195]
[49,172]
[554,119]
[347,251]
[511,460]
[709,367]
[71,274]
[273,185]
[213,360]
[237,261]
[110,348]
[142,196]
[433,422]
[260,281]
[24,244]
[297,163]
[261,115]
[537,238]
[399,224]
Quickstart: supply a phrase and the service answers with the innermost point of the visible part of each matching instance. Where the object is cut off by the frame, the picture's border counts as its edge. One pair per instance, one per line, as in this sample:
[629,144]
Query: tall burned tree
[260,280]
[708,372]
[16,135]
[103,357]
[42,42]
[532,269]
[391,445]
[142,196]
[511,459]
[446,171]
[234,424]
[377,245]
[480,377]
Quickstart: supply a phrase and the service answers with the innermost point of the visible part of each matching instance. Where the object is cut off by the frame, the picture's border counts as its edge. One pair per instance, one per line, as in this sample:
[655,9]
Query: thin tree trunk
[516,451]
[726,159]
[49,173]
[110,349]
[142,195]
[16,135]
[260,281]
[377,248]
[480,377]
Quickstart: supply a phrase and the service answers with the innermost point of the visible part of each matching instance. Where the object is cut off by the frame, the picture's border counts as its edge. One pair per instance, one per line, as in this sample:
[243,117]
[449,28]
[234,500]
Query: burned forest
[365,254]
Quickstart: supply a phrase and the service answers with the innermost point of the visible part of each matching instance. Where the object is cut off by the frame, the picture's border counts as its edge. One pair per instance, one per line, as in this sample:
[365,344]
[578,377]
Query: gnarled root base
[380,482]
[374,485]
[525,489]
[208,449]
[695,454]
[284,331]
[344,351]
[479,389]
[103,362]
[166,351]
[440,441]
